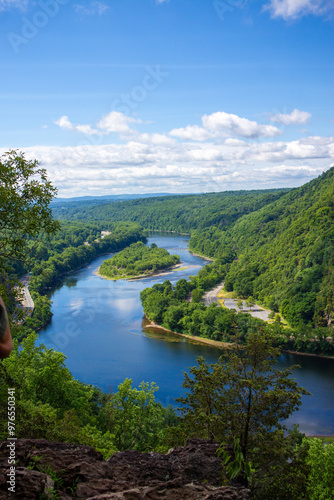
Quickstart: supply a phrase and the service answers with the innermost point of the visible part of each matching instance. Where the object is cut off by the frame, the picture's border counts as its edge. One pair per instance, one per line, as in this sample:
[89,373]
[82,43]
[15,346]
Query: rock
[190,472]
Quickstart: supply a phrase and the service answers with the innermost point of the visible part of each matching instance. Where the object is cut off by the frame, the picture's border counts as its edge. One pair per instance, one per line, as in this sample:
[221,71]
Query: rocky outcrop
[74,471]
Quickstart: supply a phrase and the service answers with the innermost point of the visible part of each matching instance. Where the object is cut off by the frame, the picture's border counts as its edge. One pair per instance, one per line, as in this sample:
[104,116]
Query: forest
[137,260]
[220,402]
[247,232]
[181,213]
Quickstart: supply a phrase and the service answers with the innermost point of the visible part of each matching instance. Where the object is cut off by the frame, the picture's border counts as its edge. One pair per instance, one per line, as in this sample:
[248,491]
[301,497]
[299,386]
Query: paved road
[210,297]
[27,301]
[255,311]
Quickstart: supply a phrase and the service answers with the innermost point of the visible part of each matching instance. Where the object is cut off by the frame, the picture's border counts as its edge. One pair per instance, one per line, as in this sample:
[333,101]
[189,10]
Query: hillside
[284,252]
[175,213]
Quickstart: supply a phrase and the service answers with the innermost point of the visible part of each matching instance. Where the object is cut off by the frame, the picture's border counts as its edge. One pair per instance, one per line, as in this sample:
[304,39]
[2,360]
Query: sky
[179,96]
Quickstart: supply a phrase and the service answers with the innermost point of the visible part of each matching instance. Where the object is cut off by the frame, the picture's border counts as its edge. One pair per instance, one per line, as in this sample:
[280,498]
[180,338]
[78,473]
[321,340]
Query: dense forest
[285,253]
[181,213]
[137,260]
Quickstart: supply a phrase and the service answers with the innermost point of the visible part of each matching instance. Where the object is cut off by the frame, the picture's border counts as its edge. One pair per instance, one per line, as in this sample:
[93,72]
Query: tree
[134,417]
[242,397]
[250,302]
[25,195]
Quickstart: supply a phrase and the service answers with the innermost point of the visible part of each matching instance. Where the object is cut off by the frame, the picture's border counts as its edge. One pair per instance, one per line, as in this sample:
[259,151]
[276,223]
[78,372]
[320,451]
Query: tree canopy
[25,194]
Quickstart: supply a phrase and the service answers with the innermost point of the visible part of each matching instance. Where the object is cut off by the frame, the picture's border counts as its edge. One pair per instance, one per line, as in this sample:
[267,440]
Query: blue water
[98,324]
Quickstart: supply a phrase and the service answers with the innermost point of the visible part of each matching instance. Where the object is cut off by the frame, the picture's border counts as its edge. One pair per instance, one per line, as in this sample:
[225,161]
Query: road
[27,302]
[210,297]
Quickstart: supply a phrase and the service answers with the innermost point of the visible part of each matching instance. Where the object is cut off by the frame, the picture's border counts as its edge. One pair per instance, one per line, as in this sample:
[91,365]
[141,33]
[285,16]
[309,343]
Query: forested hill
[285,253]
[276,245]
[175,213]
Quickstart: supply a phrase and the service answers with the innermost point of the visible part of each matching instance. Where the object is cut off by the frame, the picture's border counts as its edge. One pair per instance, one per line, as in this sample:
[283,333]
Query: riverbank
[215,343]
[201,256]
[161,272]
[310,354]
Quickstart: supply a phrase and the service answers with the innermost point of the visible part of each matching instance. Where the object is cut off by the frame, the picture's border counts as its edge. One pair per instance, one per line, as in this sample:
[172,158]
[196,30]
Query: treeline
[181,213]
[74,257]
[284,253]
[70,234]
[136,260]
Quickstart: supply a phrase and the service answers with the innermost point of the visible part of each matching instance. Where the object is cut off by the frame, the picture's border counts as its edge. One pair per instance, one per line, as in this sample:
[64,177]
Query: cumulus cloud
[296,117]
[221,124]
[294,9]
[65,124]
[117,122]
[94,8]
[235,125]
[112,122]
[154,162]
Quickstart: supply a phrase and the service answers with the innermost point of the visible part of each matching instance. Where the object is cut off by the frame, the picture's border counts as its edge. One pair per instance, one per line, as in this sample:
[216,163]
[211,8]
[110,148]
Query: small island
[137,261]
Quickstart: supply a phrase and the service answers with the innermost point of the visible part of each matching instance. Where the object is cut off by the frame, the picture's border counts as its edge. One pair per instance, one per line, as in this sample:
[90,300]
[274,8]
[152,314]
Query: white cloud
[17,4]
[294,118]
[191,133]
[112,122]
[294,9]
[92,9]
[234,125]
[221,124]
[154,162]
[117,122]
[65,124]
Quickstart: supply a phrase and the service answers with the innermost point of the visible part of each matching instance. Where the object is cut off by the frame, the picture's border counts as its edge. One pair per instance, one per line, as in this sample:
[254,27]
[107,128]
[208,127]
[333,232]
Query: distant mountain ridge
[110,197]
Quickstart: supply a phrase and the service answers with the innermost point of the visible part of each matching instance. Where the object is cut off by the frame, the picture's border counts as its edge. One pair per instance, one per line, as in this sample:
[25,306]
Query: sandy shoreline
[216,343]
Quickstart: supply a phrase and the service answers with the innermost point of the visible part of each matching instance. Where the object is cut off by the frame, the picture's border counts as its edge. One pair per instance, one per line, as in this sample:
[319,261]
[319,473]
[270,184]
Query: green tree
[242,397]
[134,417]
[25,194]
[321,477]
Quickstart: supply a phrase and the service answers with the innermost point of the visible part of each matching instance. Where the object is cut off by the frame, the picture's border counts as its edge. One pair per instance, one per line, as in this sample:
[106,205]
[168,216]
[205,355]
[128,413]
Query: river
[98,324]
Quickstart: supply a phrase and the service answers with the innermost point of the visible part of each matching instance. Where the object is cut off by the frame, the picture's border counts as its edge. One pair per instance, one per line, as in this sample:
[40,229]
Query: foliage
[244,398]
[166,305]
[233,468]
[136,260]
[72,258]
[51,404]
[321,461]
[295,279]
[25,194]
[134,417]
[181,213]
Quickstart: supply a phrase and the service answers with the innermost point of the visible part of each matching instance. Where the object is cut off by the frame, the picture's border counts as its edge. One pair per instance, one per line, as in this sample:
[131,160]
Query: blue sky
[134,96]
